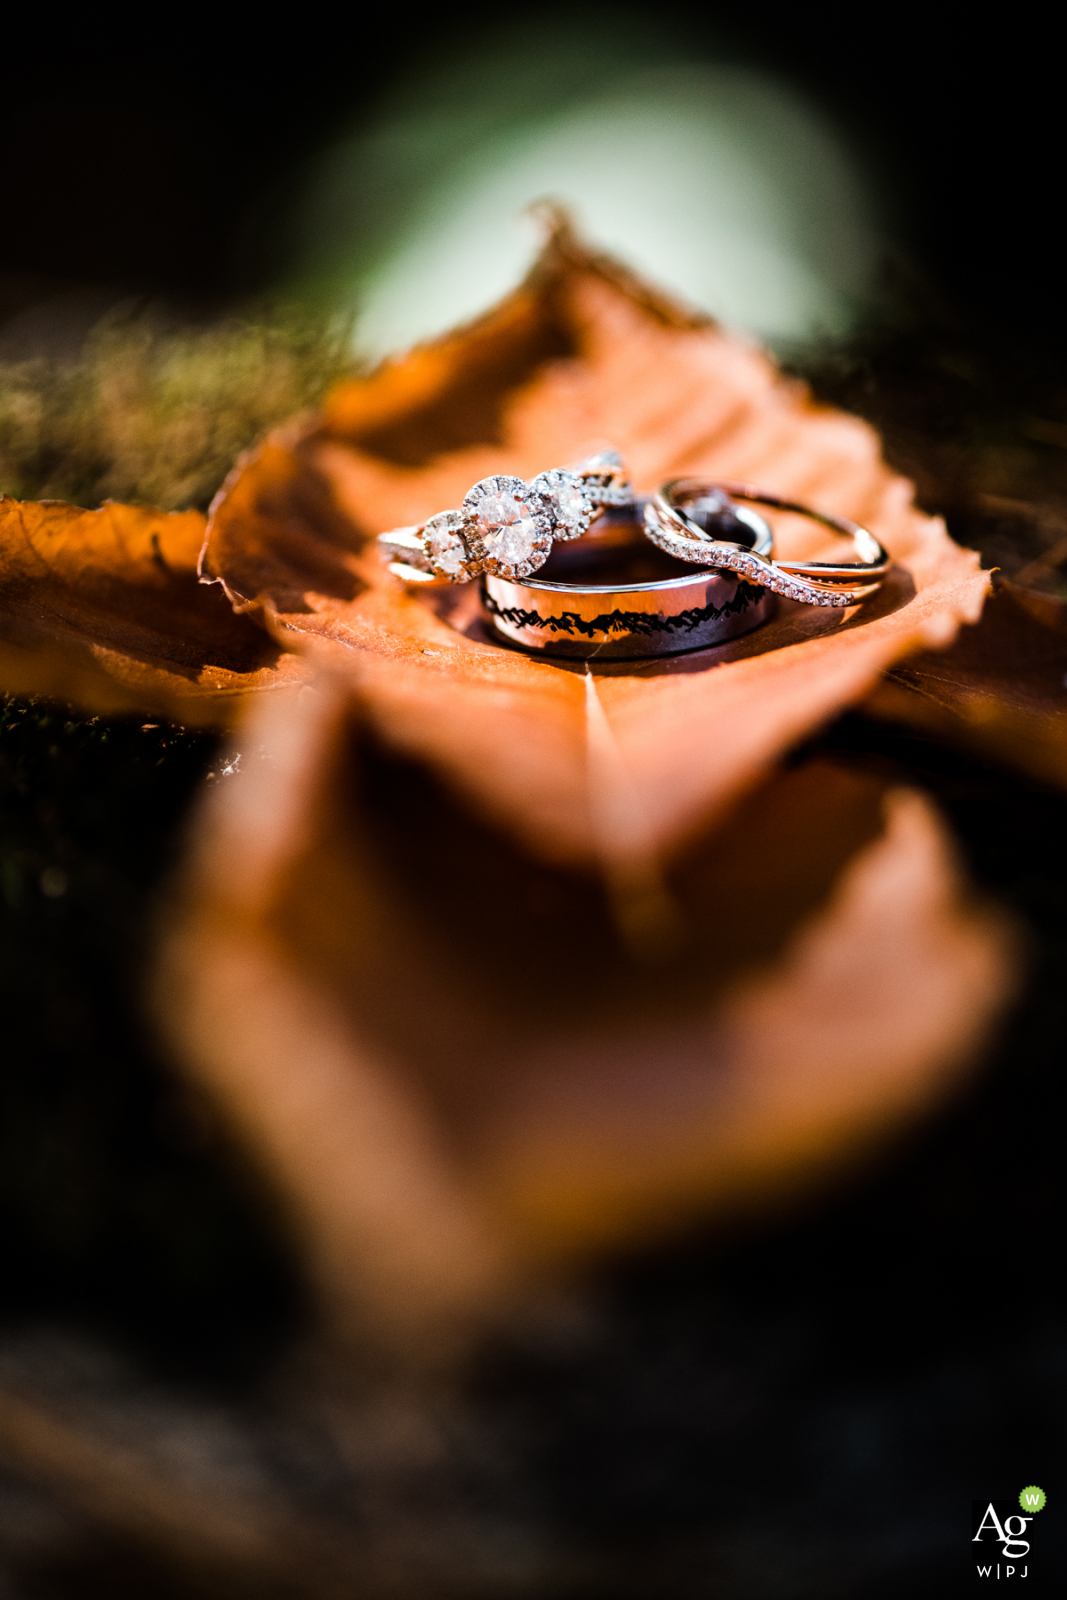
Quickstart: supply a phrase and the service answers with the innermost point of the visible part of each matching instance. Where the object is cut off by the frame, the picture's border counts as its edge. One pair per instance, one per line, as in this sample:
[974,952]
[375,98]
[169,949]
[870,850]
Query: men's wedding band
[685,519]
[568,613]
[506,527]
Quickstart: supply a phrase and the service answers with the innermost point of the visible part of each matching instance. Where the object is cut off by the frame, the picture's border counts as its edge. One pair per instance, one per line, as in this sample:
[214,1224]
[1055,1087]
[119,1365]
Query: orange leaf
[457,1073]
[623,761]
[103,609]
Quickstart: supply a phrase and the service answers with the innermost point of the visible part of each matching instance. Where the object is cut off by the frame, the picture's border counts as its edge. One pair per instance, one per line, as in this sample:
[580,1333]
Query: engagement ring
[505,526]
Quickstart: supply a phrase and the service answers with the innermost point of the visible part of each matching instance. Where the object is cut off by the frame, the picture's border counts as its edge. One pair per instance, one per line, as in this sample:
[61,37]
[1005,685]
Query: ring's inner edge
[720,523]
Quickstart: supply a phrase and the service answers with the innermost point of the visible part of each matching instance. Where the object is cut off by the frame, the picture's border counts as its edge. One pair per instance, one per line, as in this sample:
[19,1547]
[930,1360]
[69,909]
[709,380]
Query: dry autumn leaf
[103,609]
[622,762]
[460,1076]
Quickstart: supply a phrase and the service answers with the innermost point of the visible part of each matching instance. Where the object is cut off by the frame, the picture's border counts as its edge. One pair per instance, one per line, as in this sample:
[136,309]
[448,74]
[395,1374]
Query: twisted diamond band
[686,519]
[506,527]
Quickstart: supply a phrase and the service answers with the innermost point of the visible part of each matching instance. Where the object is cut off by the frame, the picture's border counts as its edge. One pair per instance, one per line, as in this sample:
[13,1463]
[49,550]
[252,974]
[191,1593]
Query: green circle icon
[1032,1498]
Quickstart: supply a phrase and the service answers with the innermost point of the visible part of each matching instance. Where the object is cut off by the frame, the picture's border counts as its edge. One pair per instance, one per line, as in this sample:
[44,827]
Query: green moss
[159,415]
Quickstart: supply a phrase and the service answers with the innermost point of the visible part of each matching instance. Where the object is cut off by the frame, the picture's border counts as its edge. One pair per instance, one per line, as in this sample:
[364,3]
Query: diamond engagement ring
[507,527]
[685,518]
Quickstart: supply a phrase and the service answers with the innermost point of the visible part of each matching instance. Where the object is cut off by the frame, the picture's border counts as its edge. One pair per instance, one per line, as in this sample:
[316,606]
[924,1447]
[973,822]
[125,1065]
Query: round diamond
[444,546]
[568,505]
[511,523]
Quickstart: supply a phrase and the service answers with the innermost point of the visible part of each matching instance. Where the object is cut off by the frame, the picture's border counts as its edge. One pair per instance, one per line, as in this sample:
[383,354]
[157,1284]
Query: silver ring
[569,614]
[507,527]
[685,519]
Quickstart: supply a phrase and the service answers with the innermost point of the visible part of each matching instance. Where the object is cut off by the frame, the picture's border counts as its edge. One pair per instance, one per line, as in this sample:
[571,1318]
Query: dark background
[142,151]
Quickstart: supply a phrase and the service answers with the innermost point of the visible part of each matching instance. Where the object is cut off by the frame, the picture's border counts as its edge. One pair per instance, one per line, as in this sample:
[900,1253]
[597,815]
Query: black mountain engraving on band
[746,595]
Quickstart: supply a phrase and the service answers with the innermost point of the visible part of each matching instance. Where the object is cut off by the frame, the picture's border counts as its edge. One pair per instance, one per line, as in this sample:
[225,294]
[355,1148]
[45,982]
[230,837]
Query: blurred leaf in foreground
[459,1072]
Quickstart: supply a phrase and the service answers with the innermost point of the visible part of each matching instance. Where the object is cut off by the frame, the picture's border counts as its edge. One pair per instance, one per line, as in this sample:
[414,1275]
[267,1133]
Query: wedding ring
[507,527]
[566,611]
[685,519]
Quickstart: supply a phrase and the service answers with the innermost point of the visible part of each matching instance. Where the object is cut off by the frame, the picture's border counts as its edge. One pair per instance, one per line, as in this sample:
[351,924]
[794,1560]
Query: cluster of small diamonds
[604,478]
[746,564]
